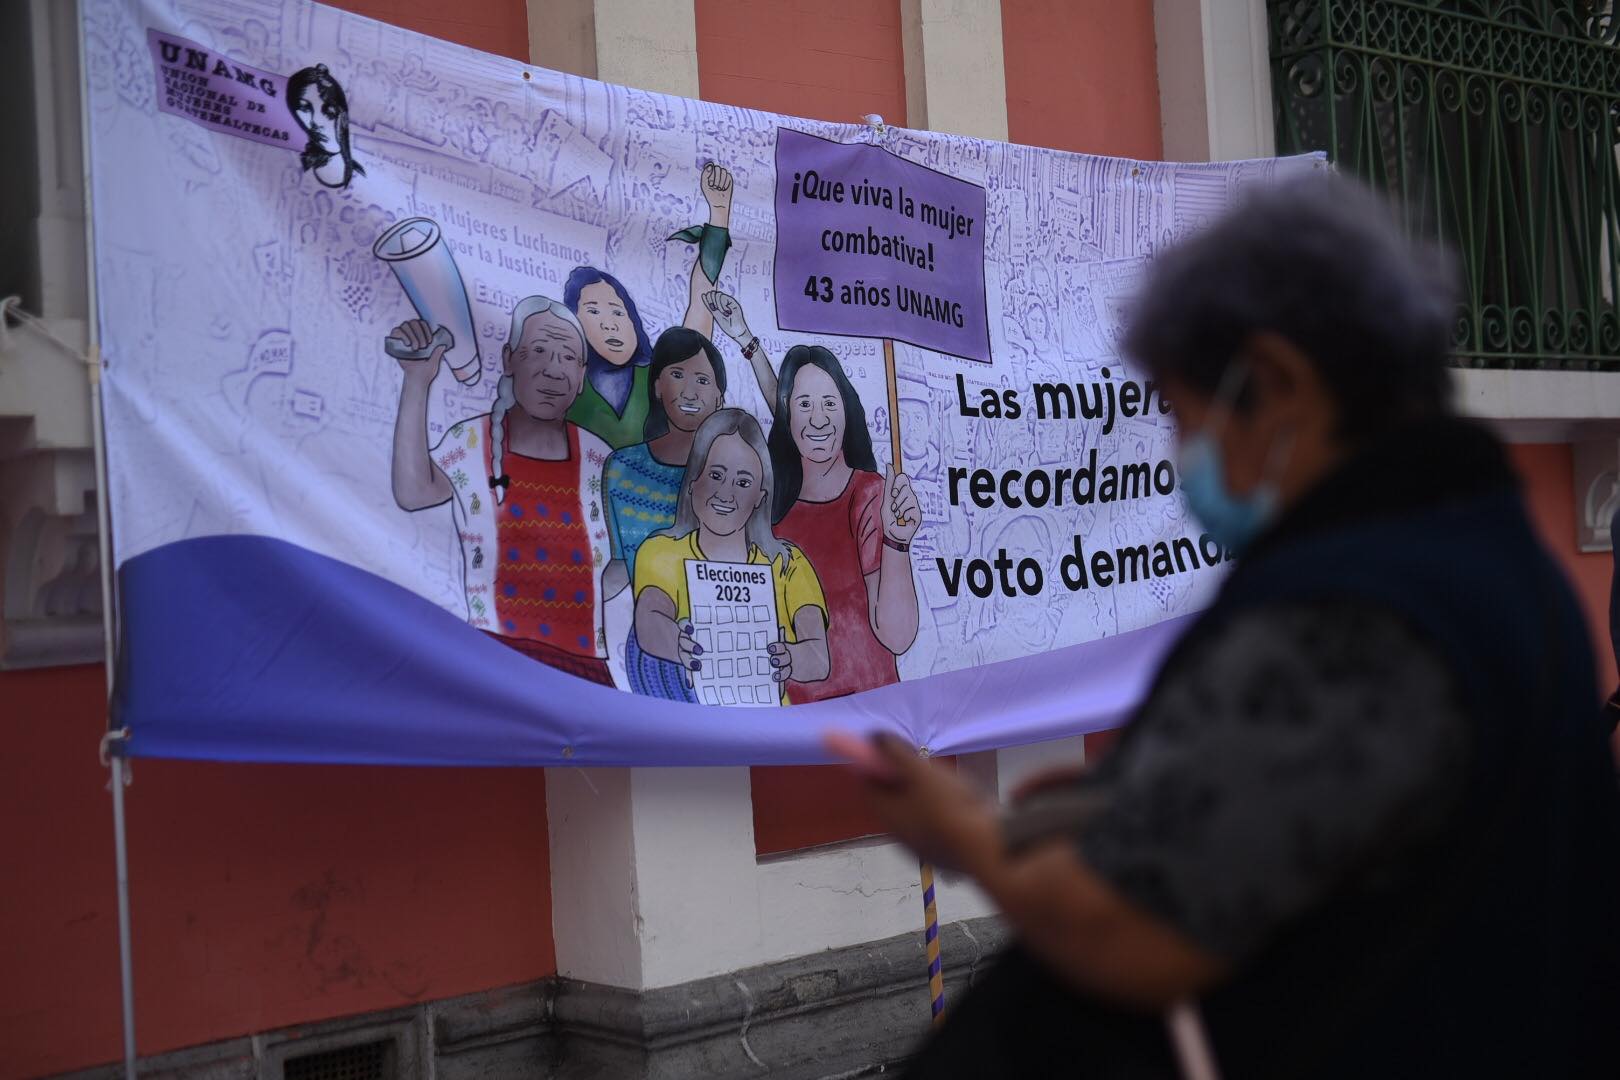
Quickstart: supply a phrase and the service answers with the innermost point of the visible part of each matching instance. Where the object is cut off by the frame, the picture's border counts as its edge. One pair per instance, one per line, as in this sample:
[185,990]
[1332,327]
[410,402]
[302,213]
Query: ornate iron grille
[1496,123]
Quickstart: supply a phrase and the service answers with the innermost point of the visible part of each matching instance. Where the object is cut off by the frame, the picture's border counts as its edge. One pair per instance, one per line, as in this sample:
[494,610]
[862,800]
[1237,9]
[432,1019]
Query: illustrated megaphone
[416,251]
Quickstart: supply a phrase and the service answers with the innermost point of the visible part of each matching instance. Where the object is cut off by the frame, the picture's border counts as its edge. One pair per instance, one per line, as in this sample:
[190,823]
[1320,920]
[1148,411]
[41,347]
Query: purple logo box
[220,93]
[871,245]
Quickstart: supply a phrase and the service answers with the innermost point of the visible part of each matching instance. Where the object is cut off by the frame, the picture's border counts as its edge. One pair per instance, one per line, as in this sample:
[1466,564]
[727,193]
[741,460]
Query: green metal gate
[1496,123]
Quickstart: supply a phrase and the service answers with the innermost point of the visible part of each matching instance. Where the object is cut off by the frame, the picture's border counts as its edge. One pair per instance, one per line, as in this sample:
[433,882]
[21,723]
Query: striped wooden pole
[892,380]
[936,968]
[936,971]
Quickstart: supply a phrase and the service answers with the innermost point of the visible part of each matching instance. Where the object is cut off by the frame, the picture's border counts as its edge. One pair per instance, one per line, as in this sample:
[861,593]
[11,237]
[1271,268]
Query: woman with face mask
[724,516]
[855,524]
[1366,815]
[642,483]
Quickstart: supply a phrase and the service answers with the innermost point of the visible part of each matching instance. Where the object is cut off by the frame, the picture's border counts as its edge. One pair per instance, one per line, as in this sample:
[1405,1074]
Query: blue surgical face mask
[1232,521]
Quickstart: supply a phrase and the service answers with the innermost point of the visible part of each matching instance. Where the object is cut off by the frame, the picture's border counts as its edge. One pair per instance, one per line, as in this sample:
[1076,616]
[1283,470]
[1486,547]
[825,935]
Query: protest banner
[442,390]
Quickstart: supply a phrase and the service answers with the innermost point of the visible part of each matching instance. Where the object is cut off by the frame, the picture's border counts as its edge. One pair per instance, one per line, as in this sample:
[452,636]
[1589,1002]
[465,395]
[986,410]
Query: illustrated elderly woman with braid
[524,484]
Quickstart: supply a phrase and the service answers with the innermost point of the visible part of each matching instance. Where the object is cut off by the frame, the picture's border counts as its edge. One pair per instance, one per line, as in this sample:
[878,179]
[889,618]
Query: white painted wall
[1542,406]
[655,881]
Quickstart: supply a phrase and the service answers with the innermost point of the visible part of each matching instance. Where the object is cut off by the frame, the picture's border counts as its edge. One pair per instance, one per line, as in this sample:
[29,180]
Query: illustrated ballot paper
[734,618]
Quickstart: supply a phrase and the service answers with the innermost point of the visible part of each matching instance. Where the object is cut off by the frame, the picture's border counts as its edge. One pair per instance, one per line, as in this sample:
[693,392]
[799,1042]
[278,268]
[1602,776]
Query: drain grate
[364,1061]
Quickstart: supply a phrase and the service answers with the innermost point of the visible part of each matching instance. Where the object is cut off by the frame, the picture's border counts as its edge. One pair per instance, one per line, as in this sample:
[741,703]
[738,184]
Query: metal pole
[126,970]
[117,741]
[109,598]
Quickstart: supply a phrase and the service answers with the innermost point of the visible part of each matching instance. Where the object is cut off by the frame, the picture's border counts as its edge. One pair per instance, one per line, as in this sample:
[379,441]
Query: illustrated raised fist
[728,315]
[717,186]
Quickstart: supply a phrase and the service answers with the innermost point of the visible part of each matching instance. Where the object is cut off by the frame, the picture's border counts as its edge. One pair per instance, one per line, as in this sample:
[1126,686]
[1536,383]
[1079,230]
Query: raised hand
[902,514]
[418,348]
[716,186]
[923,804]
[728,315]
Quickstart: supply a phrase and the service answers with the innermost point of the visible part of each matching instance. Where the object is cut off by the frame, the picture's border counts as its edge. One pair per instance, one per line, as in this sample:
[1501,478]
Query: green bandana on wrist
[713,241]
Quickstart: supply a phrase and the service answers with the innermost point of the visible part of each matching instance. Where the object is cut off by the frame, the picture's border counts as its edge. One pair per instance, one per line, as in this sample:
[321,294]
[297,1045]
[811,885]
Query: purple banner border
[246,648]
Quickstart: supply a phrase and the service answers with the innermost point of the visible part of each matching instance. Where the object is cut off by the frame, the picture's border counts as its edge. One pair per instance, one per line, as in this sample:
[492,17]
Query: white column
[593,814]
[648,44]
[595,911]
[696,879]
[911,46]
[562,35]
[1214,79]
[956,81]
[956,77]
[60,160]
[654,881]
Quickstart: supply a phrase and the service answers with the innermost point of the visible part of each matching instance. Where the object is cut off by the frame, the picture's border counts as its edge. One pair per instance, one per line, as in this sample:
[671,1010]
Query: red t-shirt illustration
[545,581]
[843,539]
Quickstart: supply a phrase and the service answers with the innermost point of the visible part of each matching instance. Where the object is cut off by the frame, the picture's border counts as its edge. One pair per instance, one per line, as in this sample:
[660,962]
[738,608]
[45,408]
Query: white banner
[319,244]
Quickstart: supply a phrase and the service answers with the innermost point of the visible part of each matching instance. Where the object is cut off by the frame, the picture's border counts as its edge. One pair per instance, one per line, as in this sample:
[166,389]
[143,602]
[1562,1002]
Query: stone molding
[842,1013]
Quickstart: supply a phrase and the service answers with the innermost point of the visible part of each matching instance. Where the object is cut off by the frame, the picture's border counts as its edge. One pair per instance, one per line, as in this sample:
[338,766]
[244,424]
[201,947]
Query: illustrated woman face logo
[607,323]
[547,366]
[318,118]
[321,109]
[729,487]
[817,415]
[689,392]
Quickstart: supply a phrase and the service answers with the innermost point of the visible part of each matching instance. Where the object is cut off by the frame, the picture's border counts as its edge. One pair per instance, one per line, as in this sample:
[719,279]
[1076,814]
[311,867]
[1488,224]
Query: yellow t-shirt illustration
[661,563]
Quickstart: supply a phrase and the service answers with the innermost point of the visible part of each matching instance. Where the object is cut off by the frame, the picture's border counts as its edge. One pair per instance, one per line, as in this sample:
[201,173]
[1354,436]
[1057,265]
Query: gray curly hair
[506,394]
